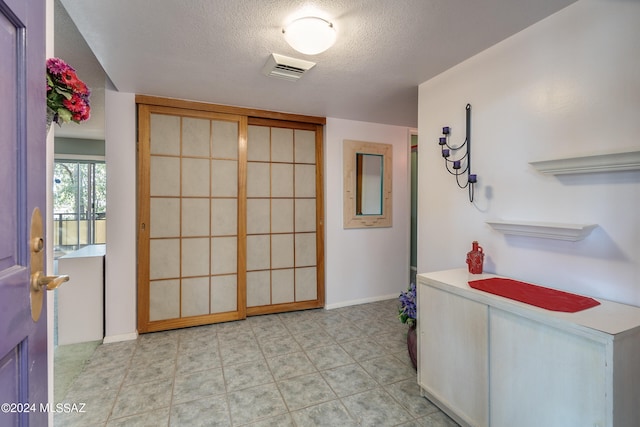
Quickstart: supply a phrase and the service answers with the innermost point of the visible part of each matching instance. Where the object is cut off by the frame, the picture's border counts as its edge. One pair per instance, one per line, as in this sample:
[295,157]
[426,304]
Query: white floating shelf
[613,162]
[544,230]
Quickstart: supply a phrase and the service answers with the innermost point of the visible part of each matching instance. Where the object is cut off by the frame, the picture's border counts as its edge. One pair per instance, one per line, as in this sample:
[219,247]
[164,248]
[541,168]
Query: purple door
[23,341]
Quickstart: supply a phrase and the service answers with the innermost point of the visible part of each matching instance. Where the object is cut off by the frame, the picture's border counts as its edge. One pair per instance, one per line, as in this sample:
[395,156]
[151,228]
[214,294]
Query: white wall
[120,263]
[365,264]
[566,86]
[361,265]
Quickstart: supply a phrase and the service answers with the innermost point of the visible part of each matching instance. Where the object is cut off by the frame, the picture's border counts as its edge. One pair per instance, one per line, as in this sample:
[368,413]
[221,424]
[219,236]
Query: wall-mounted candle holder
[461,165]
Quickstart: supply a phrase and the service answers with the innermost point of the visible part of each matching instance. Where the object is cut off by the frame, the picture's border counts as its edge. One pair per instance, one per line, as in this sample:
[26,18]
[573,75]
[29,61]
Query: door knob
[39,281]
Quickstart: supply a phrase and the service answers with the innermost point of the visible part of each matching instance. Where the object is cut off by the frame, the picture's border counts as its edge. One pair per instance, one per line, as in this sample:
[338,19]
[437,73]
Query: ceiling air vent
[285,67]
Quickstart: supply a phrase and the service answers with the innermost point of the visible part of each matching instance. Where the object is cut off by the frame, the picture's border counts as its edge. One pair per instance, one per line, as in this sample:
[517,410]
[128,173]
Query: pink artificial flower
[69,78]
[58,66]
[83,114]
[75,104]
[79,87]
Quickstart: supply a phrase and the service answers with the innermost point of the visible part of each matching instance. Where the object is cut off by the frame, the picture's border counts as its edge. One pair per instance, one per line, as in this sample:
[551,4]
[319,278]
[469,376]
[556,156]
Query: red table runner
[550,299]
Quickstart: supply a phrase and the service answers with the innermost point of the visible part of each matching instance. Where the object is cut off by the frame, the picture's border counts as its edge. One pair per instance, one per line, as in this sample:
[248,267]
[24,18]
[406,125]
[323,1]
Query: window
[79,204]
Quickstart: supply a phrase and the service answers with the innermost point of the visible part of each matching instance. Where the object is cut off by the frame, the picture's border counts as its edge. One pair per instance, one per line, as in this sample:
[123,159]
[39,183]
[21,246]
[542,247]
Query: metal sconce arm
[457,168]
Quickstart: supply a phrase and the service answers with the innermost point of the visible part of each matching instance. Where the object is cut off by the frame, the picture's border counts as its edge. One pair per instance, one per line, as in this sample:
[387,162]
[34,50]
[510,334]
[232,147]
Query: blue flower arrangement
[407,310]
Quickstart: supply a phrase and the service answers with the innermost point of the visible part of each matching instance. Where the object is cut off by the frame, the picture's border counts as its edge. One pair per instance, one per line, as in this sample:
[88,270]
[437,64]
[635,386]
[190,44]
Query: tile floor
[70,360]
[342,367]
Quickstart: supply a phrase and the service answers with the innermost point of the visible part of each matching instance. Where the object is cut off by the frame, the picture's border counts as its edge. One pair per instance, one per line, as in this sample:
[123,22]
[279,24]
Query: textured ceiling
[214,50]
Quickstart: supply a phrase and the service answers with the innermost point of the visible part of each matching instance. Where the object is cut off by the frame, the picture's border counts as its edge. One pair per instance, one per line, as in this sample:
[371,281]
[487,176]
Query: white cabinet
[81,299]
[491,361]
[454,369]
[543,376]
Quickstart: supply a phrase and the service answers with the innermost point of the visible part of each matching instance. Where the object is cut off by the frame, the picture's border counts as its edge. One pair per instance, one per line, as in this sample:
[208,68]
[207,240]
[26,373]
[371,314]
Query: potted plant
[407,314]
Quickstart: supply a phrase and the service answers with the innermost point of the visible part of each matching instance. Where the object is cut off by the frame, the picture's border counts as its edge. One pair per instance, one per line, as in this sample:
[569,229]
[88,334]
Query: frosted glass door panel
[192,229]
[282,220]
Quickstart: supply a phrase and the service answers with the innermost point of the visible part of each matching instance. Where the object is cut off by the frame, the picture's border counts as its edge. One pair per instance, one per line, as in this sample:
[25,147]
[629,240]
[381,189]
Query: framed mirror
[367,184]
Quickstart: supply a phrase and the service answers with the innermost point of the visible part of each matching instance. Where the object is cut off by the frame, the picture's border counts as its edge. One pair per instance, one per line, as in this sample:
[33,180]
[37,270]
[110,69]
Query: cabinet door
[542,376]
[453,354]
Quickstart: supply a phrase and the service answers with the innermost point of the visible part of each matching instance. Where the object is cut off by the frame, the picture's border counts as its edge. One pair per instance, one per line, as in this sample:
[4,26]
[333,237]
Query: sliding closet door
[191,233]
[285,245]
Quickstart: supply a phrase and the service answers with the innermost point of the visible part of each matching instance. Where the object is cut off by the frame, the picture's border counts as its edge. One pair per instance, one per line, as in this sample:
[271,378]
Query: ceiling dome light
[310,35]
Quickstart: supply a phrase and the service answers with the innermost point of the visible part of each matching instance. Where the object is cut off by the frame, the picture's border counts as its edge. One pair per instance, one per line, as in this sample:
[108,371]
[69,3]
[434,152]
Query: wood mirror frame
[350,151]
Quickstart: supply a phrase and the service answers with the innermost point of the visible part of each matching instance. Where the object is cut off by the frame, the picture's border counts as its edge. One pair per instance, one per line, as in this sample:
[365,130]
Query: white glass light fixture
[310,35]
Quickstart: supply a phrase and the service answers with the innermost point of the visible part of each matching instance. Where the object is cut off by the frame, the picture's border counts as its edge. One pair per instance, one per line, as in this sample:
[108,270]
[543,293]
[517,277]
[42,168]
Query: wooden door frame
[147,104]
